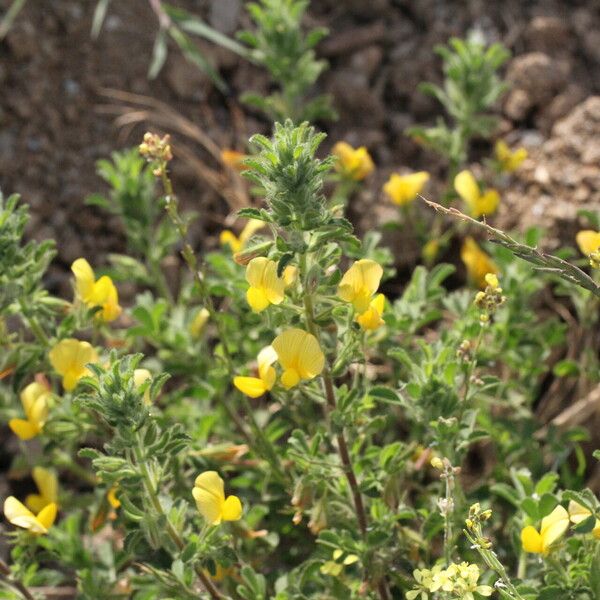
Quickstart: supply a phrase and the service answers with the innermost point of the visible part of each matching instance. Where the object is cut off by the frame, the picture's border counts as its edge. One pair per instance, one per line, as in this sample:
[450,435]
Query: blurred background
[69,99]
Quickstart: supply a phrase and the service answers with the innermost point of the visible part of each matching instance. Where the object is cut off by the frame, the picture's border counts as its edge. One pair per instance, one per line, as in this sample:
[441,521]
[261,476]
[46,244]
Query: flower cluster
[458,580]
[490,299]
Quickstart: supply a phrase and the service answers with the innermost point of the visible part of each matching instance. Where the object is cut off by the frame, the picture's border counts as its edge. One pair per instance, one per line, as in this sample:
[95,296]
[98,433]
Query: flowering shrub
[277,427]
[277,418]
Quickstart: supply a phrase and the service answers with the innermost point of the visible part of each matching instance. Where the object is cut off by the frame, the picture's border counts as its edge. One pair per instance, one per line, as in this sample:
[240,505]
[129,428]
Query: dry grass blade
[132,109]
[542,261]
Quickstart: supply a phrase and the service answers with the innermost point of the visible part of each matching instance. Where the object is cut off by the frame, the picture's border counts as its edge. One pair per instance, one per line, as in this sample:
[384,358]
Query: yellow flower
[359,283]
[209,494]
[198,322]
[265,287]
[588,241]
[257,386]
[237,244]
[479,203]
[69,358]
[553,527]
[578,514]
[402,189]
[300,356]
[17,514]
[353,163]
[92,293]
[371,318]
[478,263]
[34,399]
[139,377]
[47,484]
[509,161]
[234,159]
[111,496]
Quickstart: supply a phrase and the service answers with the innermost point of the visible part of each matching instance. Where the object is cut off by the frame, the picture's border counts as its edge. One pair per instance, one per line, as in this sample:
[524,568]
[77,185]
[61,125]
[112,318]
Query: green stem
[37,331]
[152,494]
[192,263]
[160,280]
[329,391]
[5,575]
[62,459]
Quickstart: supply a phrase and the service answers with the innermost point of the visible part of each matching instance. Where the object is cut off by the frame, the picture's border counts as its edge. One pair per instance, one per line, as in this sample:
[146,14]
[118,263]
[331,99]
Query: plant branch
[5,575]
[542,261]
[171,531]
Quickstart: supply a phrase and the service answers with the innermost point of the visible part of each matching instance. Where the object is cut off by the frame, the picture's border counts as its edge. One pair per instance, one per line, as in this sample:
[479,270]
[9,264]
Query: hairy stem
[152,493]
[5,575]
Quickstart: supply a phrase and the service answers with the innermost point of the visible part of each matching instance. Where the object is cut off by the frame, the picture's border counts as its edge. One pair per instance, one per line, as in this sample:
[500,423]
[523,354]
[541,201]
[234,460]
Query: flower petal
[250,386]
[466,187]
[232,509]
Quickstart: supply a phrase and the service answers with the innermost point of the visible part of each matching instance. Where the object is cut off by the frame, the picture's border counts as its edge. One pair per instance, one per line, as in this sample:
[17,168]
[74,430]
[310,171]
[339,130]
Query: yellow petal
[502,151]
[30,395]
[84,279]
[17,514]
[466,187]
[299,354]
[111,496]
[588,241]
[230,239]
[578,513]
[477,262]
[232,509]
[47,515]
[311,359]
[486,204]
[290,378]
[255,271]
[47,483]
[554,526]
[359,283]
[250,229]
[35,502]
[402,189]
[250,386]
[371,319]
[257,299]
[23,429]
[531,540]
[290,274]
[209,493]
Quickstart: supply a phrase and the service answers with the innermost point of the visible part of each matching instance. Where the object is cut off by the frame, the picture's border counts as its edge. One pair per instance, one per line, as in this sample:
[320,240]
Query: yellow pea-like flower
[588,241]
[265,287]
[69,358]
[198,322]
[34,399]
[300,355]
[508,160]
[371,318]
[111,496]
[402,189]
[47,484]
[553,527]
[354,163]
[20,516]
[477,262]
[237,244]
[257,386]
[578,514]
[209,494]
[359,283]
[92,293]
[234,159]
[139,377]
[479,203]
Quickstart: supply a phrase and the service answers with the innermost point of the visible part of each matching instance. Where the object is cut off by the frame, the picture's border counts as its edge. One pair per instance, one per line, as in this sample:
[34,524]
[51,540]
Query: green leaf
[546,504]
[385,394]
[566,368]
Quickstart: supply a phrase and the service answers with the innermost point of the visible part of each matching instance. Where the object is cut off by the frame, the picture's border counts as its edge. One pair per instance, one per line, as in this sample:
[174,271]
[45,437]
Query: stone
[538,75]
[224,15]
[517,105]
[549,35]
[187,81]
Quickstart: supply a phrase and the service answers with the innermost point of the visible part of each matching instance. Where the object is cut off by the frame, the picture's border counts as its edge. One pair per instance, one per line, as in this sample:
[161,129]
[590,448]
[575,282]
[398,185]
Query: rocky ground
[56,119]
